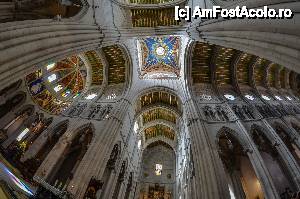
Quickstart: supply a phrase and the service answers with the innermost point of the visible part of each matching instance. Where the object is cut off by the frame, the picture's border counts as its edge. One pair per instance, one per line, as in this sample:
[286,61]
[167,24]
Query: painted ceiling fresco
[159,57]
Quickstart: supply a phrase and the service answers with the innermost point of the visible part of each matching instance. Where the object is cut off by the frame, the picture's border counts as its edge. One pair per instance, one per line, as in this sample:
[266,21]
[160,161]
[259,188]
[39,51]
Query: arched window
[34,163]
[242,179]
[108,169]
[289,142]
[273,162]
[11,104]
[73,155]
[120,180]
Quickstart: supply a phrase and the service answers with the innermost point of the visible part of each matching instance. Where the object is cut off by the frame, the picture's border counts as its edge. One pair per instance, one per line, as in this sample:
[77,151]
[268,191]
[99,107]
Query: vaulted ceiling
[220,65]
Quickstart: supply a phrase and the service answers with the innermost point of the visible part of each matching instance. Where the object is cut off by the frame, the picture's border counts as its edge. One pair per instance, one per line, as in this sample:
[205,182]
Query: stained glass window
[55,85]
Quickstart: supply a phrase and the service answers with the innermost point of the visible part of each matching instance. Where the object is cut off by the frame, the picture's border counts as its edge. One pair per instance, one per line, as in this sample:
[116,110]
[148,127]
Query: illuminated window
[265,97]
[112,96]
[66,94]
[139,144]
[91,96]
[206,97]
[277,97]
[230,97]
[289,98]
[50,66]
[158,169]
[135,127]
[58,88]
[22,134]
[250,97]
[51,78]
[231,193]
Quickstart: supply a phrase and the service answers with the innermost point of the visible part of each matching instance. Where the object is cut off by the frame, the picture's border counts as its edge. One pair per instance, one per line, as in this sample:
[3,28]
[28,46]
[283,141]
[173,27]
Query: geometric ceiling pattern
[159,57]
[96,65]
[153,17]
[115,58]
[216,64]
[159,130]
[160,98]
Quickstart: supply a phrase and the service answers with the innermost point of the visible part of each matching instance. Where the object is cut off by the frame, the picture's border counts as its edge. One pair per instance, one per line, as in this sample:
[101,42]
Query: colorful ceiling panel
[116,64]
[159,57]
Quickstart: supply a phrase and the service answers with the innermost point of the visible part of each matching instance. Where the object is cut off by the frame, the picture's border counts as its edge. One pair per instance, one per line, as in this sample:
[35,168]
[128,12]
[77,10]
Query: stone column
[95,160]
[286,156]
[39,143]
[262,174]
[210,182]
[238,190]
[48,165]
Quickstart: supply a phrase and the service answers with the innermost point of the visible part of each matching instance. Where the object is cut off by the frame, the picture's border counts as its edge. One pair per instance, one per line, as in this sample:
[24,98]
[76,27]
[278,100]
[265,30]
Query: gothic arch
[11,88]
[270,151]
[162,89]
[242,140]
[73,155]
[264,131]
[29,108]
[286,129]
[12,103]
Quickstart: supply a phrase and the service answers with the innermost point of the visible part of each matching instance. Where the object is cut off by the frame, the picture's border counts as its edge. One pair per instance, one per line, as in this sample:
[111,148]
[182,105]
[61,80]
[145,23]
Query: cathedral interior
[115,99]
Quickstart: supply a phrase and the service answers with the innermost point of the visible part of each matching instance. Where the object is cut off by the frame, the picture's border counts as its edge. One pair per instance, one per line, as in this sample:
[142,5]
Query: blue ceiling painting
[160,57]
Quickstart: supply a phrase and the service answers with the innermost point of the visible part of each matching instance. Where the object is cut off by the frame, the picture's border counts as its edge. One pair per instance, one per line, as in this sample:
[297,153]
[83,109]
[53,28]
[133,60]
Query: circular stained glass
[54,86]
[65,78]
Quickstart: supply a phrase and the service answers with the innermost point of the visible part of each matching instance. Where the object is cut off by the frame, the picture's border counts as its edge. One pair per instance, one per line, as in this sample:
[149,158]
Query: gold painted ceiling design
[201,62]
[272,70]
[116,64]
[222,63]
[153,17]
[208,57]
[282,75]
[158,113]
[159,97]
[97,67]
[242,73]
[259,71]
[159,130]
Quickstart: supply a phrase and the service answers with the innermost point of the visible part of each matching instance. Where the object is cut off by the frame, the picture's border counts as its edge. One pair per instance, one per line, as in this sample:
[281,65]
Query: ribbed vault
[216,64]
